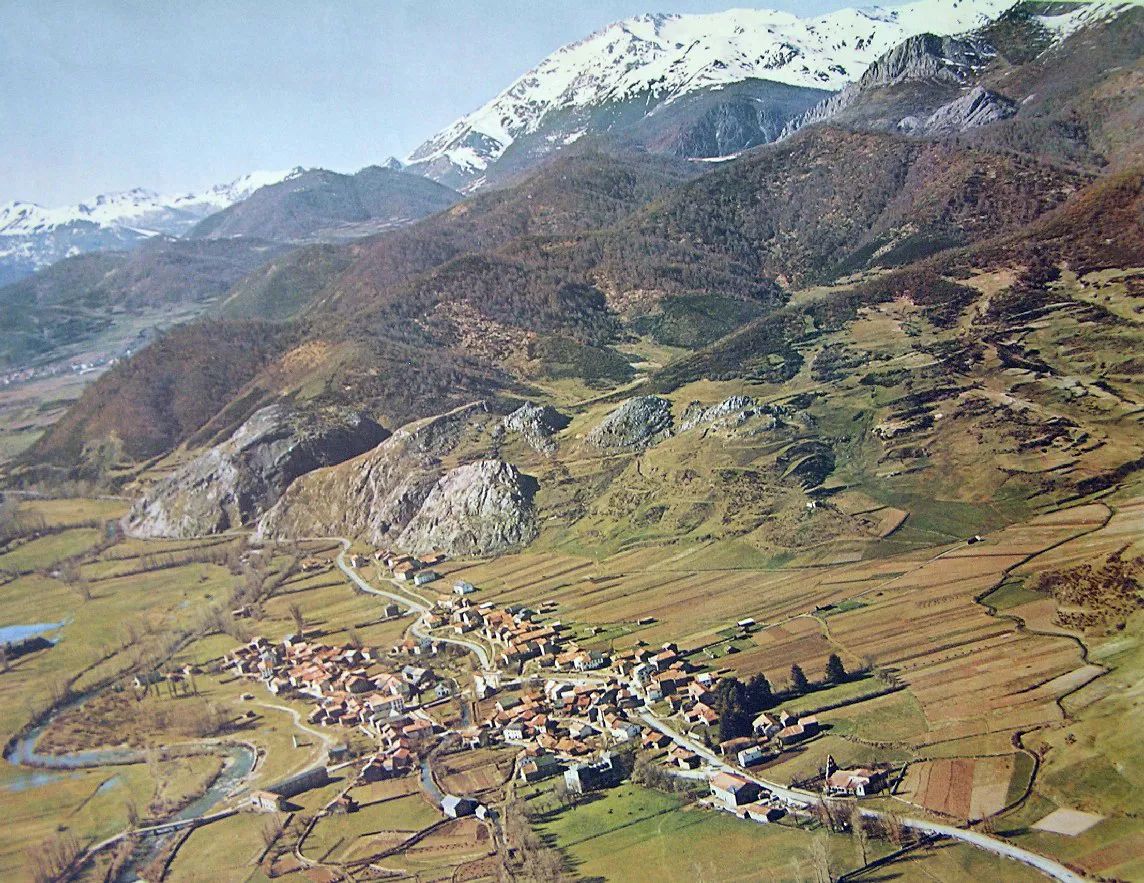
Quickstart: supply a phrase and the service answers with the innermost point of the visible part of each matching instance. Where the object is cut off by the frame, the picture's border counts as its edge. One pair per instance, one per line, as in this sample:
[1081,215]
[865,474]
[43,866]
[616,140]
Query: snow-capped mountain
[31,236]
[658,59]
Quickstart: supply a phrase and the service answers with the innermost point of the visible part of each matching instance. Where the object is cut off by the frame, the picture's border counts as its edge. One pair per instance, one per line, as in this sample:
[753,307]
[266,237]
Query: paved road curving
[419,607]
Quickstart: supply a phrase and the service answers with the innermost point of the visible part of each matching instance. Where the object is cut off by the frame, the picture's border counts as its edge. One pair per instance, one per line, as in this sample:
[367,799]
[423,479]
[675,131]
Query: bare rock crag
[233,483]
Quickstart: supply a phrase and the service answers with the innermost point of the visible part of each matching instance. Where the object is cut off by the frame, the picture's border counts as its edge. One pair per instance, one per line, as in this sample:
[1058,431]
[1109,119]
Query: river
[42,769]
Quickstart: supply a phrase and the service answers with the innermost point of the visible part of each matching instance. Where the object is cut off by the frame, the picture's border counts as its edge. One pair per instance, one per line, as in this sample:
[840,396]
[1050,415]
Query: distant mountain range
[32,237]
[561,222]
[136,255]
[690,86]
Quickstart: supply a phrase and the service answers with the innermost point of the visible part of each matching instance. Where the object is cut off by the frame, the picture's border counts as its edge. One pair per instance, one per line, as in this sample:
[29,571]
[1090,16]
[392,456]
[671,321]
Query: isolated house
[456,807]
[585,777]
[859,782]
[267,801]
[732,791]
[794,733]
[684,759]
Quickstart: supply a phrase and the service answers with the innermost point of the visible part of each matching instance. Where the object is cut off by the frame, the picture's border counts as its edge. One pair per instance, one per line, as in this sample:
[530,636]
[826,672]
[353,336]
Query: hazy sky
[176,95]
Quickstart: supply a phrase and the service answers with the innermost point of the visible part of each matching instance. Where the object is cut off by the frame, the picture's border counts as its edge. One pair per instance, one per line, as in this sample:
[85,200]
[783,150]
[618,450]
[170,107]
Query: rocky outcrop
[638,423]
[482,508]
[402,494]
[378,493]
[235,482]
[949,60]
[742,415]
[978,107]
[536,424]
[942,63]
[735,408]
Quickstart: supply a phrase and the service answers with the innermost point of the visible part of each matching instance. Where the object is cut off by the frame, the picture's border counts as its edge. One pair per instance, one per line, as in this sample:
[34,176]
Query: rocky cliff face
[402,494]
[977,107]
[235,482]
[377,493]
[936,66]
[729,412]
[481,508]
[639,422]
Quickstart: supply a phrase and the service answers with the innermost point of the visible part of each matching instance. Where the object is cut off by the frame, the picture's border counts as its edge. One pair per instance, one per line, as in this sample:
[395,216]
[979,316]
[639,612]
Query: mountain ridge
[667,56]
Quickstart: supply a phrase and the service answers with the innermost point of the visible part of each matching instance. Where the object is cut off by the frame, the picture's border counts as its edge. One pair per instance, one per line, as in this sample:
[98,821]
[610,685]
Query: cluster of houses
[770,735]
[517,633]
[733,793]
[403,741]
[350,687]
[406,568]
[560,728]
[352,691]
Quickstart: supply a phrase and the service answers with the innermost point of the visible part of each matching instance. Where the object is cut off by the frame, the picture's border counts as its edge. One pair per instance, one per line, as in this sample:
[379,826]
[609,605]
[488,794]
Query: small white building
[463,588]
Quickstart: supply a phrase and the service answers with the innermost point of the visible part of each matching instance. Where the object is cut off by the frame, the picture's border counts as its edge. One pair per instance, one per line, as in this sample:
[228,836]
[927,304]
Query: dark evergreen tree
[733,723]
[835,670]
[729,693]
[798,681]
[758,691]
[731,703]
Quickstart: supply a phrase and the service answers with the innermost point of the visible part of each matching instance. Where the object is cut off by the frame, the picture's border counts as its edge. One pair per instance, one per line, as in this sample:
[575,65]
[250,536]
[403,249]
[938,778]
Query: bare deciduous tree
[299,621]
[858,832]
[820,858]
[271,829]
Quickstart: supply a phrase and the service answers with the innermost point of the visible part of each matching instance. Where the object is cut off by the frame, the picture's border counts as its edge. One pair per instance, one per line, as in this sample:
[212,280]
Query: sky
[105,95]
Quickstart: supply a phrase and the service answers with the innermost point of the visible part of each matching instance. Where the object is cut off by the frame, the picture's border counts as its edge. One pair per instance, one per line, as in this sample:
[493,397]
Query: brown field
[973,674]
[960,787]
[387,789]
[1117,855]
[474,772]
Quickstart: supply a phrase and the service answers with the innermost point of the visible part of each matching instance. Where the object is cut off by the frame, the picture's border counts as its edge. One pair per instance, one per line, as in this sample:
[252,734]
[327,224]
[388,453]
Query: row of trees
[738,703]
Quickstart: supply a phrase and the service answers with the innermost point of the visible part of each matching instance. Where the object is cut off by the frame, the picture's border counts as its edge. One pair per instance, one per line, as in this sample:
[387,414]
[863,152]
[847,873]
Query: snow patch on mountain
[667,56]
[1065,24]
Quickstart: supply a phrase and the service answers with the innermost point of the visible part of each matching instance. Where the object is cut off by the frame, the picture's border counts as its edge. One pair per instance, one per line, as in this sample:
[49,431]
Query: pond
[13,634]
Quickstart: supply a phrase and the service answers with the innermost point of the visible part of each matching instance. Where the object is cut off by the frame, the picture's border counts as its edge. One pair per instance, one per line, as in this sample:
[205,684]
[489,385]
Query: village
[567,710]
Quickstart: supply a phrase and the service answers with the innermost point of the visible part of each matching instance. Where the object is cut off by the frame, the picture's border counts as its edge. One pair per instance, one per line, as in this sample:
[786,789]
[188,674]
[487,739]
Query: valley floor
[995,709]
